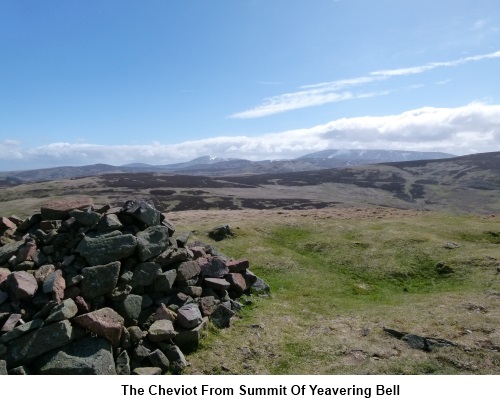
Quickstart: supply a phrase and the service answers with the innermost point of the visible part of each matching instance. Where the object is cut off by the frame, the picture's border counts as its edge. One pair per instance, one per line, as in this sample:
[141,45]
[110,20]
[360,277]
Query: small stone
[130,307]
[164,313]
[55,284]
[136,334]
[176,357]
[99,280]
[213,267]
[238,266]
[43,272]
[145,274]
[21,330]
[220,232]
[3,367]
[237,282]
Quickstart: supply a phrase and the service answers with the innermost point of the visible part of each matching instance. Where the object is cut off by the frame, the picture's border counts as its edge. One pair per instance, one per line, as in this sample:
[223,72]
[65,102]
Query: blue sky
[164,81]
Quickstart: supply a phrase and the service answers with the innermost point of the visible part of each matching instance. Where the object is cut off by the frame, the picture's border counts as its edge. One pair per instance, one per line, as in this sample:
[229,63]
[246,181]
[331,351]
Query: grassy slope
[337,282]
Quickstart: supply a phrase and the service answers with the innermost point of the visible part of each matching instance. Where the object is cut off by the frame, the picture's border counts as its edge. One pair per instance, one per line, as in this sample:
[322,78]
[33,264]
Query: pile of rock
[101,290]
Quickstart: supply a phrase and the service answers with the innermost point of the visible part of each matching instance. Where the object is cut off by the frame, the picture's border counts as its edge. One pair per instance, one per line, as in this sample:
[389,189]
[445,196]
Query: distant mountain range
[217,166]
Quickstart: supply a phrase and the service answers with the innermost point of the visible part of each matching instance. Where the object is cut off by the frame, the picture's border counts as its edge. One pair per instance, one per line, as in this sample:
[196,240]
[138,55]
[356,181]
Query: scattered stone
[55,284]
[238,266]
[164,313]
[419,342]
[21,330]
[218,284]
[161,330]
[259,286]
[237,282]
[443,268]
[220,232]
[213,267]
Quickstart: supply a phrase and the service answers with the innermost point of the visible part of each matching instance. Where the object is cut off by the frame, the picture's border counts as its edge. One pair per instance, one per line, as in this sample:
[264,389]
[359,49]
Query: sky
[167,81]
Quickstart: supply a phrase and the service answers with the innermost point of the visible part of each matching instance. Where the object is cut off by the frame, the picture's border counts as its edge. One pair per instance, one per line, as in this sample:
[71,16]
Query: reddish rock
[237,282]
[82,305]
[22,285]
[60,209]
[6,223]
[104,322]
[164,313]
[198,252]
[238,266]
[11,322]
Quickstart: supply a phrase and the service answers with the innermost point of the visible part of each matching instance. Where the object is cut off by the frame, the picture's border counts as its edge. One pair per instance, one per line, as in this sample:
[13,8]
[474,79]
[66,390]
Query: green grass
[335,283]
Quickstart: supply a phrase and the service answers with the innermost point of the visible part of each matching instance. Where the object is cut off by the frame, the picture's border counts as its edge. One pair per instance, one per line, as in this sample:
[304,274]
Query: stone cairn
[101,290]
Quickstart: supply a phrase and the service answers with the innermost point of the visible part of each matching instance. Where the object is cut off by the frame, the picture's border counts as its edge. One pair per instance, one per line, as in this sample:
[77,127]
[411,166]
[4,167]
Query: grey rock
[21,370]
[142,212]
[136,334]
[123,363]
[104,250]
[188,270]
[151,242]
[86,356]
[3,367]
[65,310]
[158,359]
[213,267]
[176,357]
[189,316]
[260,287]
[207,305]
[189,339]
[130,307]
[165,281]
[8,250]
[145,274]
[28,347]
[221,316]
[21,330]
[161,330]
[220,232]
[172,255]
[109,222]
[86,218]
[99,280]
[3,350]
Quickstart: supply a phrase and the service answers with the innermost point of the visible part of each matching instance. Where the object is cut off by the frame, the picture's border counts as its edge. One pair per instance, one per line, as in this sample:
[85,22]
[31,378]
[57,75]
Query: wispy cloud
[335,91]
[467,129]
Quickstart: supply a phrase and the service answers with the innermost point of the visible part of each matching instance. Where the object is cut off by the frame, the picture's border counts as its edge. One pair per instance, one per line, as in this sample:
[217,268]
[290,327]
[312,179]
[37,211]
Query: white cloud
[468,129]
[329,92]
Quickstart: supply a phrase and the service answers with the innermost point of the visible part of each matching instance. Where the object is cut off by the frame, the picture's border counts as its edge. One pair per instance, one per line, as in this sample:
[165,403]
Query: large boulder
[89,355]
[103,250]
